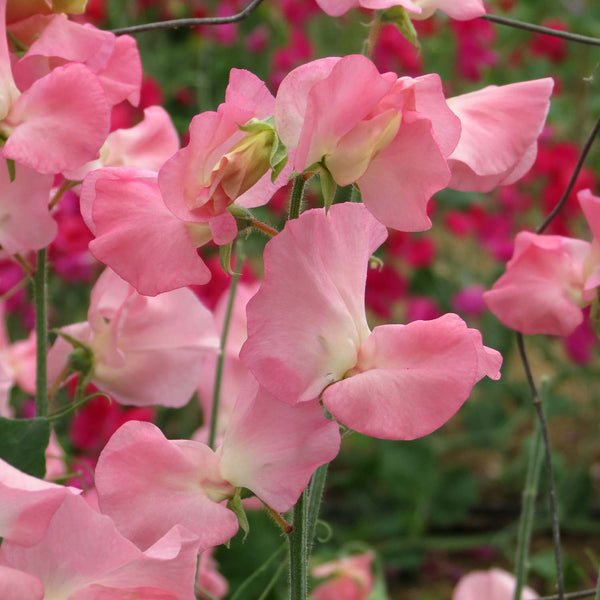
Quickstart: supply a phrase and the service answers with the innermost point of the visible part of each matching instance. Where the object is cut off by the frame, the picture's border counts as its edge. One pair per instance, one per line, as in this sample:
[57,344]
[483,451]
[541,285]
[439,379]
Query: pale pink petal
[25,221]
[499,126]
[307,321]
[161,340]
[208,578]
[28,504]
[410,379]
[8,90]
[494,584]
[18,585]
[60,122]
[292,96]
[147,145]
[402,178]
[590,205]
[223,228]
[462,10]
[246,90]
[147,484]
[272,448]
[73,557]
[336,8]
[136,234]
[541,290]
[335,105]
[122,75]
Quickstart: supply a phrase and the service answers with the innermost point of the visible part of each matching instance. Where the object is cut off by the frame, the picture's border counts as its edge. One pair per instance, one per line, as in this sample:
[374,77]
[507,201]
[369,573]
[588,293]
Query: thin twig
[176,23]
[571,184]
[537,403]
[566,35]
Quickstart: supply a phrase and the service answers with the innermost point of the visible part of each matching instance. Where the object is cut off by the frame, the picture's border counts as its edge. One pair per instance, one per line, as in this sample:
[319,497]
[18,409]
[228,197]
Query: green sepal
[328,187]
[242,216]
[255,124]
[235,504]
[399,17]
[10,165]
[81,359]
[225,258]
[278,159]
[23,444]
[375,263]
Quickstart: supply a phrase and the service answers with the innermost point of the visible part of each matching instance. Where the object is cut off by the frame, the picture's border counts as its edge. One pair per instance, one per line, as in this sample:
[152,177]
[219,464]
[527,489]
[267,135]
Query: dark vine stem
[566,35]
[40,286]
[571,184]
[176,23]
[571,596]
[537,403]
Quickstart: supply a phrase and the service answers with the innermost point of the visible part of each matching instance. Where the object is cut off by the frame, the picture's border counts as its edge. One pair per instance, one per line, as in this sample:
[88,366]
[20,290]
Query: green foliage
[23,444]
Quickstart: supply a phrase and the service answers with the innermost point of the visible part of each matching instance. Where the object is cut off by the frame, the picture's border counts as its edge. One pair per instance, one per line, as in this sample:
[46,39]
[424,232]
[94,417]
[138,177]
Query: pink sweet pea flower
[115,60]
[418,9]
[500,128]
[59,122]
[391,136]
[269,447]
[350,578]
[544,287]
[28,504]
[494,584]
[208,578]
[147,145]
[308,335]
[25,221]
[83,556]
[223,164]
[146,350]
[137,236]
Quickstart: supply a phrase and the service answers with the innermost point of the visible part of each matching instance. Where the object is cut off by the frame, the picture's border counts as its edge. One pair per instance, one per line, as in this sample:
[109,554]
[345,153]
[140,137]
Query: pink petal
[590,205]
[272,448]
[25,221]
[307,321]
[122,75]
[410,379]
[8,90]
[18,585]
[136,234]
[541,290]
[462,10]
[402,178]
[28,505]
[499,127]
[147,484]
[247,91]
[60,122]
[69,560]
[336,8]
[494,584]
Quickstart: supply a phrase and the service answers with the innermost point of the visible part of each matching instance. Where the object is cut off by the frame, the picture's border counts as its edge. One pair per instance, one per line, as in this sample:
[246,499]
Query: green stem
[214,416]
[298,542]
[40,286]
[265,565]
[370,42]
[527,512]
[315,496]
[572,595]
[296,199]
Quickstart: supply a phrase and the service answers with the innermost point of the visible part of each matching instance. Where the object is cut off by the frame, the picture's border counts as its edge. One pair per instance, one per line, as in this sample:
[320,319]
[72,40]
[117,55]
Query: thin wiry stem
[571,596]
[537,403]
[574,176]
[176,23]
[566,35]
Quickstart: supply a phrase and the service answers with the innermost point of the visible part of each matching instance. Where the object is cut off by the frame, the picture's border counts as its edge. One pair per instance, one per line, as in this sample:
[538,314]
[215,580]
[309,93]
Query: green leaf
[235,504]
[328,187]
[399,17]
[23,444]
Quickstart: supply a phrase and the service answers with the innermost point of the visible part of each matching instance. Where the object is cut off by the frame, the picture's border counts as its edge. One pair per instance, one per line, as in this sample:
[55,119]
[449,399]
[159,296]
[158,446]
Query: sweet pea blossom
[418,9]
[500,126]
[494,584]
[82,555]
[549,279]
[223,164]
[350,578]
[391,136]
[137,236]
[144,350]
[57,123]
[28,505]
[308,334]
[147,483]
